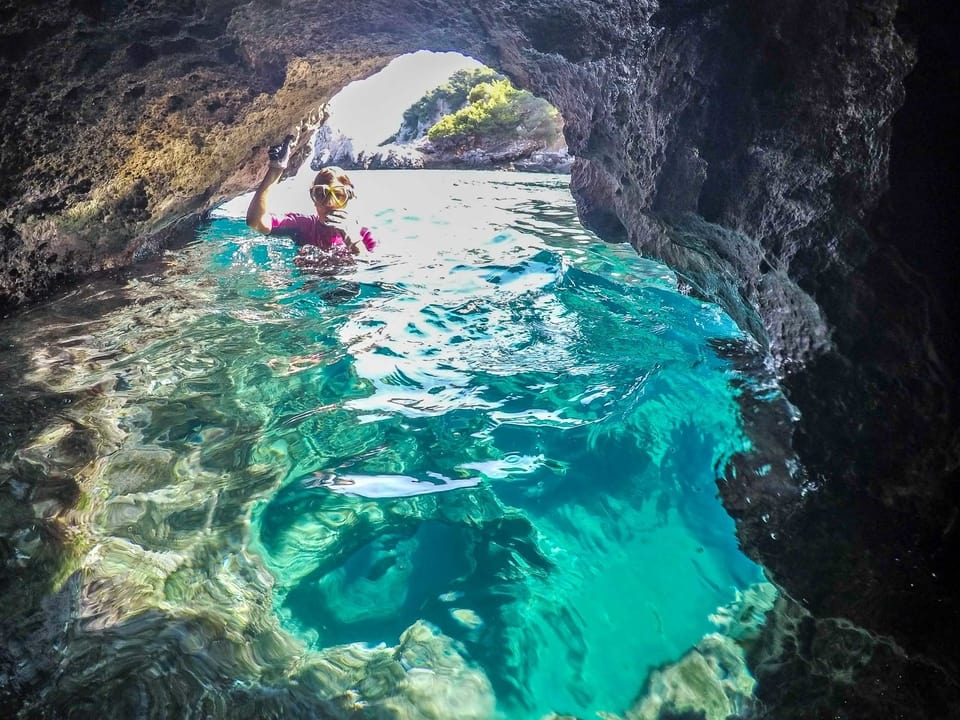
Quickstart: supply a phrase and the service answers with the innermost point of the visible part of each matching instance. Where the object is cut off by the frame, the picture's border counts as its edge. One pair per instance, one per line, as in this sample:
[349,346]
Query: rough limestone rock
[390,157]
[523,154]
[793,160]
[710,681]
[331,146]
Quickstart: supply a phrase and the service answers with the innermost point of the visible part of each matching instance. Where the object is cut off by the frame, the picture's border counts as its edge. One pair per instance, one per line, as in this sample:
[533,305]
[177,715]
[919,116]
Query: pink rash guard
[309,230]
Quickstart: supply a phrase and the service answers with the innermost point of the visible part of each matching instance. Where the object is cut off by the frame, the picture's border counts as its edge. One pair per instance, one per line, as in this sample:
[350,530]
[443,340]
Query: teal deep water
[236,479]
[553,402]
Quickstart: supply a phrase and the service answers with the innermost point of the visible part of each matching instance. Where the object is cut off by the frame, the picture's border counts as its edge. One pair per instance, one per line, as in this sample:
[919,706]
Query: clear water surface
[496,424]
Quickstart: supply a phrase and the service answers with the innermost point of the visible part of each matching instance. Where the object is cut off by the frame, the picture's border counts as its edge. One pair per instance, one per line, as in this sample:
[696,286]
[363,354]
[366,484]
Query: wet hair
[332,175]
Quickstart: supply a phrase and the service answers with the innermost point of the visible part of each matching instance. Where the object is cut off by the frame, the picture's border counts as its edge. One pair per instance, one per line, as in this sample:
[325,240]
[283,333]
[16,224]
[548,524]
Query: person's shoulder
[298,217]
[290,220]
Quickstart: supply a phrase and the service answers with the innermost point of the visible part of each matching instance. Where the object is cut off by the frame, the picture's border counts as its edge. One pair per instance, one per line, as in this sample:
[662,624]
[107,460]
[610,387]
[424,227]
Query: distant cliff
[477,119]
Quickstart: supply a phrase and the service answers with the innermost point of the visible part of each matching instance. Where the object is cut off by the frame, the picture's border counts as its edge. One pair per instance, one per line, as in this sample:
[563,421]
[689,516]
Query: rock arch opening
[440,110]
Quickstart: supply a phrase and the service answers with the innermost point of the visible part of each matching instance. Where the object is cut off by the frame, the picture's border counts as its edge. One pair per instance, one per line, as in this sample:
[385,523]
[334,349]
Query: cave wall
[749,145]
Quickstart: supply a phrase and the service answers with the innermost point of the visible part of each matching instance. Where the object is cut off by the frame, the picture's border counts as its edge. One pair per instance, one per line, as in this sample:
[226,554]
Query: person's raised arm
[257,216]
[257,211]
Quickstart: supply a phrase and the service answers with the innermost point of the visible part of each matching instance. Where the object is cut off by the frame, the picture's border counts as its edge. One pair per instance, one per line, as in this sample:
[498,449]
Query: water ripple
[474,476]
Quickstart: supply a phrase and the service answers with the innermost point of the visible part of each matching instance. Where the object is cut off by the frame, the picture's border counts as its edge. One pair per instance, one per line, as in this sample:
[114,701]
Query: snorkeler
[331,228]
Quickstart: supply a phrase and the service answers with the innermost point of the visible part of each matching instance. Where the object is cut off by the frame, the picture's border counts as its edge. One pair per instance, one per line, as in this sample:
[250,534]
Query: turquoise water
[500,425]
[496,427]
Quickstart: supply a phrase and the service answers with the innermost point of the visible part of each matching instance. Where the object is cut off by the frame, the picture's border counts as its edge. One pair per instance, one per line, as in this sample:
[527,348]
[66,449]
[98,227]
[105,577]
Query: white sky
[370,111]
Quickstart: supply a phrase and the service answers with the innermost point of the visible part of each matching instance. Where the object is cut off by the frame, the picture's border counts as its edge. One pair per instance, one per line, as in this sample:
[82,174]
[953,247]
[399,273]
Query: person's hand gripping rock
[279,154]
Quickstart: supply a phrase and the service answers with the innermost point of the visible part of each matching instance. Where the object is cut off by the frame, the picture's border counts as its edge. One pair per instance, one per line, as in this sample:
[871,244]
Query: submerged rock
[710,682]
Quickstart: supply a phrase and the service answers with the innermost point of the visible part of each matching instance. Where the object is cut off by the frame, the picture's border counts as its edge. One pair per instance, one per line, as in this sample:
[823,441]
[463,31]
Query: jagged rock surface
[529,156]
[746,144]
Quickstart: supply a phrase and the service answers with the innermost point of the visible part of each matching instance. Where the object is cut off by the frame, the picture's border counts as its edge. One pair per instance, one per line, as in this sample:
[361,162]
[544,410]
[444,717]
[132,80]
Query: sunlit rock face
[746,144]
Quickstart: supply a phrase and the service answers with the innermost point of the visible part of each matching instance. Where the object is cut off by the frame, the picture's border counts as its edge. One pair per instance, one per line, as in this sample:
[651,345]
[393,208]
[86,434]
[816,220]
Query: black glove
[280,154]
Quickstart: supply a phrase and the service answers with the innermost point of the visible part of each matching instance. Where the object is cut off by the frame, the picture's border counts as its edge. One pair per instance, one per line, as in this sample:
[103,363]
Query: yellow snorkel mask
[336,195]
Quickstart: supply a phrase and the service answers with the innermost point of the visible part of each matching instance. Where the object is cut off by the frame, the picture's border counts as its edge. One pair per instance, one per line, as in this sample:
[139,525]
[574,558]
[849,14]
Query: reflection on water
[475,474]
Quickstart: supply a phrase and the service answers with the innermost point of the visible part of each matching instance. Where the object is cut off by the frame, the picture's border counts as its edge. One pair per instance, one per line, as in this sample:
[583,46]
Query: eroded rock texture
[792,160]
